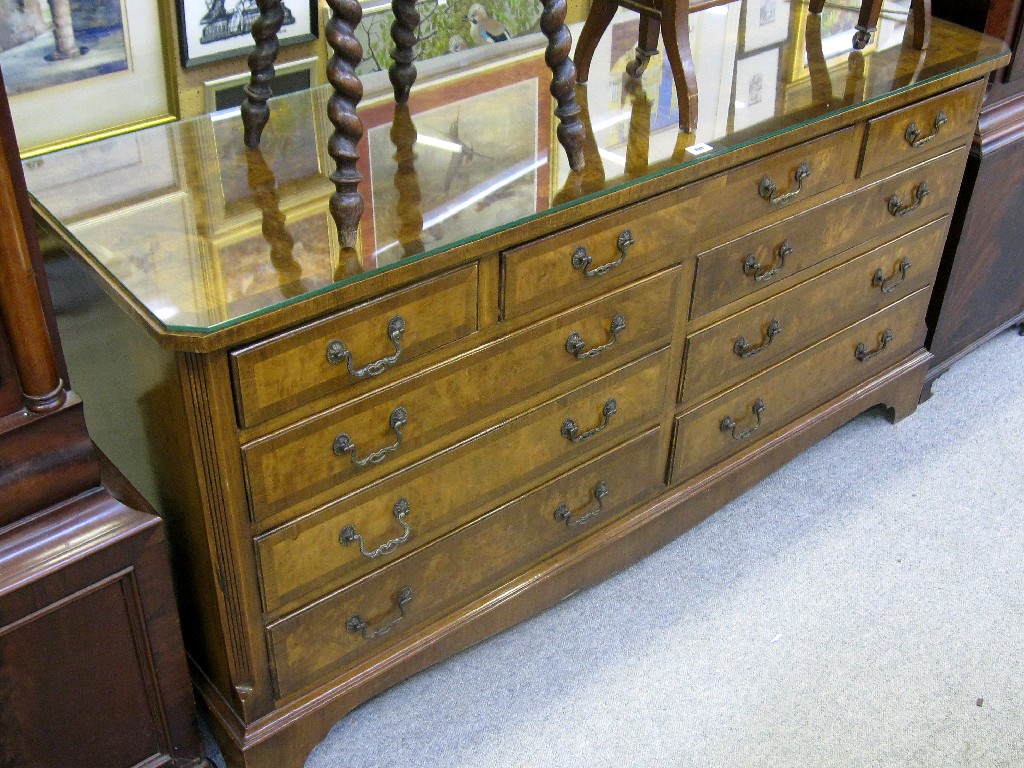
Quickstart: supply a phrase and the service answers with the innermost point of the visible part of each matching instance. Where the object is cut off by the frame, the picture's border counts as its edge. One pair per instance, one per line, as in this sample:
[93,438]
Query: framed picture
[756,78]
[765,24]
[70,87]
[210,30]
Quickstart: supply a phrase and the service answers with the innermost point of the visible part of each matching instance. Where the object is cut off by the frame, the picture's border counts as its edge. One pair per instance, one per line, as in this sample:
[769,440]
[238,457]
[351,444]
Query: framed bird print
[446,26]
[210,30]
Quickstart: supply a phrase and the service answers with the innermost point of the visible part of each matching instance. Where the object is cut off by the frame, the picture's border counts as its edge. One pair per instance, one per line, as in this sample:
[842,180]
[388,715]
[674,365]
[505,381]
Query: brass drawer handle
[338,353]
[581,258]
[575,345]
[890,284]
[913,134]
[571,431]
[400,510]
[768,190]
[896,206]
[343,443]
[728,425]
[356,624]
[861,352]
[562,512]
[752,267]
[744,350]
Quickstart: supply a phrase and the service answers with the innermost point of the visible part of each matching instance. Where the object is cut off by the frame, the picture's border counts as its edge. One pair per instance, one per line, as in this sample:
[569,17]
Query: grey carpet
[860,607]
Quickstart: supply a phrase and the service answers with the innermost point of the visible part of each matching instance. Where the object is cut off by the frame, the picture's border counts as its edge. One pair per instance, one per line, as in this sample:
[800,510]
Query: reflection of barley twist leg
[403,32]
[255,112]
[410,215]
[563,80]
[346,202]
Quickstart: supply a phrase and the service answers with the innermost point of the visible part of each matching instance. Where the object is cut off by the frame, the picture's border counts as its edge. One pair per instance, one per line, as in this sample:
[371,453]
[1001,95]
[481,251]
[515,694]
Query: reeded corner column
[570,129]
[255,112]
[346,203]
[402,72]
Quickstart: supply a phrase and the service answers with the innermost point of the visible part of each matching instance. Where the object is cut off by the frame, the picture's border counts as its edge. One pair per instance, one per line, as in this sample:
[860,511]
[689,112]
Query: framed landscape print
[210,30]
[75,61]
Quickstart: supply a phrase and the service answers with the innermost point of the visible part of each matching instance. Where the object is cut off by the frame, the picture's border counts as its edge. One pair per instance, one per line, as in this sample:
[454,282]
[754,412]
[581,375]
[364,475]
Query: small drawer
[308,555]
[760,261]
[330,454]
[375,342]
[744,415]
[589,259]
[368,617]
[913,130]
[747,343]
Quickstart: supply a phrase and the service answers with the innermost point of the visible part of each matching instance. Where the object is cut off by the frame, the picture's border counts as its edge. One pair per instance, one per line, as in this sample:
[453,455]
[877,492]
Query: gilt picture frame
[213,30]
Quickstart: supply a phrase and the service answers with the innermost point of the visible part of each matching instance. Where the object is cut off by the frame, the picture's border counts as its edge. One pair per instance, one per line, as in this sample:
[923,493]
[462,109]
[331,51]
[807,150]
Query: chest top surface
[199,234]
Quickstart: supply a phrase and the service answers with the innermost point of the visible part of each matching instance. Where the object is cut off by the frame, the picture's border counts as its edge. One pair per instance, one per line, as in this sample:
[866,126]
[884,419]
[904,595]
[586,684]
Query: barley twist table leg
[563,80]
[346,203]
[255,112]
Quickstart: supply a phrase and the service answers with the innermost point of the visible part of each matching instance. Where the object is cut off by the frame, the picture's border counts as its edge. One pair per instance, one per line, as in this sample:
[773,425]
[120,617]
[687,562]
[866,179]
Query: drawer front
[373,342]
[913,130]
[588,259]
[753,410]
[762,259]
[323,638]
[312,463]
[450,488]
[747,343]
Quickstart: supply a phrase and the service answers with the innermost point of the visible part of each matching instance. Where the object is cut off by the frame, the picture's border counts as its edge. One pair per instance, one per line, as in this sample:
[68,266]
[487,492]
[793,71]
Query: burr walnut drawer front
[345,540]
[913,130]
[373,342]
[325,456]
[585,259]
[371,615]
[759,261]
[747,343]
[745,414]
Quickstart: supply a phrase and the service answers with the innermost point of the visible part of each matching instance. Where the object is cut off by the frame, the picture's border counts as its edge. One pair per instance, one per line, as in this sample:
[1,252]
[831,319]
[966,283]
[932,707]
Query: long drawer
[376,341]
[371,615]
[747,343]
[757,262]
[579,261]
[330,454]
[745,414]
[309,554]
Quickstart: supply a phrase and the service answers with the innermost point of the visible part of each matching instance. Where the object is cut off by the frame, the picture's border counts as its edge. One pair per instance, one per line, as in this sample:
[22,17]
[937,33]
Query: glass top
[205,234]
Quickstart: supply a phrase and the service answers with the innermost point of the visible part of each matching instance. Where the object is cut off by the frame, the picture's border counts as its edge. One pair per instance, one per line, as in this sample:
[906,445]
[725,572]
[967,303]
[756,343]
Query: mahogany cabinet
[92,667]
[980,290]
[523,378]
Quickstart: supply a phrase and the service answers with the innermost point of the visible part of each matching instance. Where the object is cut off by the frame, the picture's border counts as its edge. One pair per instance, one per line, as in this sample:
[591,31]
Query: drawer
[375,341]
[745,414]
[747,343]
[588,259]
[314,462]
[408,593]
[665,229]
[307,554]
[759,261]
[902,134]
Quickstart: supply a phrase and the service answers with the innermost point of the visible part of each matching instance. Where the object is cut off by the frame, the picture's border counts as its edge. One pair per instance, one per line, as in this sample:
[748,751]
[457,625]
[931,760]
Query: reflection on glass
[203,234]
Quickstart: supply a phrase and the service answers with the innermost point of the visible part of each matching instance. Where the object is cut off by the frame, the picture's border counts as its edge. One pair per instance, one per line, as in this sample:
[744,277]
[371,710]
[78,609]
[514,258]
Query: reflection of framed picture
[292,76]
[765,23]
[219,29]
[756,78]
[69,88]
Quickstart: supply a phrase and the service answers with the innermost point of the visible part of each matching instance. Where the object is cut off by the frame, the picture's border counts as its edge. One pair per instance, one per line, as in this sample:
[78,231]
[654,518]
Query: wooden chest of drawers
[402,462]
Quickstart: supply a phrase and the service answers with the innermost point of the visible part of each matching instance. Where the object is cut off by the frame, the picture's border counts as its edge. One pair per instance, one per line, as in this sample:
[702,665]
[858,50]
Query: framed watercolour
[105,49]
[210,30]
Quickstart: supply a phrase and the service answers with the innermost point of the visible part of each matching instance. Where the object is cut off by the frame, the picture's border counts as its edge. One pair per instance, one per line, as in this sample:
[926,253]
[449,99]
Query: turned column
[570,130]
[20,303]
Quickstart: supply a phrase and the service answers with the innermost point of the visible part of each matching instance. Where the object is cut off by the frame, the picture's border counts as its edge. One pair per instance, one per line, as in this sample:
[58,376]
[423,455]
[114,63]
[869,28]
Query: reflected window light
[165,313]
[741,104]
[447,146]
[611,157]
